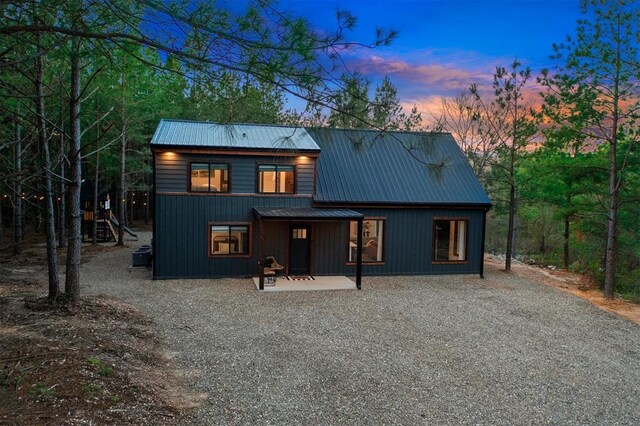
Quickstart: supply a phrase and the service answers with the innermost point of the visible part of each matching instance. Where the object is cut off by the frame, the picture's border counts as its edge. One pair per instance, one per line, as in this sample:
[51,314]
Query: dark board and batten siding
[172,171]
[181,246]
[408,243]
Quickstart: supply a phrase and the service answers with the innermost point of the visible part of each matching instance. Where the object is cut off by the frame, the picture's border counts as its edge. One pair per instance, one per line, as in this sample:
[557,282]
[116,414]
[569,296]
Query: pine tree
[595,92]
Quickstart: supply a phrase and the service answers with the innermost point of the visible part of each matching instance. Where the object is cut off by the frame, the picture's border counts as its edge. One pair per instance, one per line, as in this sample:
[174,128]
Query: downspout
[484,228]
[154,238]
[359,255]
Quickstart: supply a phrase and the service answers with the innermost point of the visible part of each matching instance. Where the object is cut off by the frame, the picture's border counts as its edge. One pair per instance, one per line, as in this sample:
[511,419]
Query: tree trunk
[123,150]
[146,207]
[612,226]
[512,184]
[1,223]
[610,255]
[96,174]
[49,218]
[37,226]
[72,281]
[565,248]
[94,225]
[131,208]
[17,188]
[62,218]
[510,230]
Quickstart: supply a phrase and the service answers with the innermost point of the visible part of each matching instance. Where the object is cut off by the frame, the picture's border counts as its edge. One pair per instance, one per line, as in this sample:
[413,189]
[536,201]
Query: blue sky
[444,46]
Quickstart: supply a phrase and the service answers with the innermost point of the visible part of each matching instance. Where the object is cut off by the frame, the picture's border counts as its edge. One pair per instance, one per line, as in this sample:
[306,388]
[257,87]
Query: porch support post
[260,256]
[359,256]
[484,230]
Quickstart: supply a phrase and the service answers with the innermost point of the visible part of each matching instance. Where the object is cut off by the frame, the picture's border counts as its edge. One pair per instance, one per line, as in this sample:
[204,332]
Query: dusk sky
[444,46]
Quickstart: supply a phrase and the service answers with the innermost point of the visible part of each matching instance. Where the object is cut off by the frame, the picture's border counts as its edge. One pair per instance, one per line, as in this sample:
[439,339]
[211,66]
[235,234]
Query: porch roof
[289,213]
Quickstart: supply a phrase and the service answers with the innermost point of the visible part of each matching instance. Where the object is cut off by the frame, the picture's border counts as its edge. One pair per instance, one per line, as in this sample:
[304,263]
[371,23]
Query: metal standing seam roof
[367,166]
[305,213]
[198,134]
[356,166]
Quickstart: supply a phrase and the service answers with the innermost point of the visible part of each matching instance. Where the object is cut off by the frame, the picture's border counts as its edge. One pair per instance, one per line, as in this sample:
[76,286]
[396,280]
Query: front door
[299,249]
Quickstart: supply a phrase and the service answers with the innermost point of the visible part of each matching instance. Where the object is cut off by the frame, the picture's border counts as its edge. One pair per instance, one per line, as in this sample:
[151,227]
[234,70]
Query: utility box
[141,257]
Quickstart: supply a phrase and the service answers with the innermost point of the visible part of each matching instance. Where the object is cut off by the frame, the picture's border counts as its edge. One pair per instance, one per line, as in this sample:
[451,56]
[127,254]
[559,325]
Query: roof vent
[244,135]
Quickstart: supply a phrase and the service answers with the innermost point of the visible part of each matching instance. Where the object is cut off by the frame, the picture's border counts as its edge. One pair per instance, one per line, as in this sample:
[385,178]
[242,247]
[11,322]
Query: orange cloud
[430,76]
[425,77]
[427,106]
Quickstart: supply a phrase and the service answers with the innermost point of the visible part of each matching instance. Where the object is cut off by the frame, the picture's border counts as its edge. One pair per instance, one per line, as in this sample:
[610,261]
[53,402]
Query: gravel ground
[404,350]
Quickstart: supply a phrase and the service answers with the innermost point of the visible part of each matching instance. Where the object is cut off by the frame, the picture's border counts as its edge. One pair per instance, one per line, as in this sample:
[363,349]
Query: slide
[127,230]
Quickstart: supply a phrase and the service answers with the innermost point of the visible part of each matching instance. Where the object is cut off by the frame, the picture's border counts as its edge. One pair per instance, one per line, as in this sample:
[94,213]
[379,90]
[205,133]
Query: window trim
[384,242]
[433,242]
[276,165]
[229,224]
[209,163]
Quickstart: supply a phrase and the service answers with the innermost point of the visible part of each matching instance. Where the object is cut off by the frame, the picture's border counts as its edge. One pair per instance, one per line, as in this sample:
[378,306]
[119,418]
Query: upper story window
[209,177]
[450,240]
[276,179]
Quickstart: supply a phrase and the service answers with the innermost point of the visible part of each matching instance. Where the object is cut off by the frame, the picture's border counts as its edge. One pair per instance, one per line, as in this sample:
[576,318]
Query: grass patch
[106,371]
[43,390]
[94,361]
[93,388]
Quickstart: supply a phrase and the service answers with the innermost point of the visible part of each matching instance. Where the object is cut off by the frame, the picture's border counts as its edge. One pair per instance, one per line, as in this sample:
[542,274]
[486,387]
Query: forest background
[84,84]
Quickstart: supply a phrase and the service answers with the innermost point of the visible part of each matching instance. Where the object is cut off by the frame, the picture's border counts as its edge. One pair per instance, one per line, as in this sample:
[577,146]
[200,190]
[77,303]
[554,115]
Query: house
[226,196]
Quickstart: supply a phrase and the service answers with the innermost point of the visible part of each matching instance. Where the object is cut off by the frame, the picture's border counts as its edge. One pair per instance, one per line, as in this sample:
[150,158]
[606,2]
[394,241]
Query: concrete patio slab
[318,283]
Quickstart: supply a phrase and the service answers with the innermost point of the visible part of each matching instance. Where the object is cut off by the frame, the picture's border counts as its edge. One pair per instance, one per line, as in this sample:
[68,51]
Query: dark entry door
[299,249]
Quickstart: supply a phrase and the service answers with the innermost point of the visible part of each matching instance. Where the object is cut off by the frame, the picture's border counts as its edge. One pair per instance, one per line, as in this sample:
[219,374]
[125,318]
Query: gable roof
[356,166]
[367,166]
[201,134]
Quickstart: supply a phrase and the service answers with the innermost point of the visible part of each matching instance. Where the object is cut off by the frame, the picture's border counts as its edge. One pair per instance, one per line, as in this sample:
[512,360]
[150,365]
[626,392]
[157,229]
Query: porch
[336,282]
[290,235]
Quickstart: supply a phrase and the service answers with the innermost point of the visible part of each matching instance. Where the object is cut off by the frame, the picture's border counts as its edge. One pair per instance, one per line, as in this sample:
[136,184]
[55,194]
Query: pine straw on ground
[100,361]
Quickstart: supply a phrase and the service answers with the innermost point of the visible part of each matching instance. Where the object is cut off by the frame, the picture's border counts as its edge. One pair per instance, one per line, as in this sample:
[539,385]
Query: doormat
[300,278]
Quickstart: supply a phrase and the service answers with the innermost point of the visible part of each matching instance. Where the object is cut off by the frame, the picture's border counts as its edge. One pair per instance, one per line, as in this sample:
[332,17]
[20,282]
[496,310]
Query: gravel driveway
[404,350]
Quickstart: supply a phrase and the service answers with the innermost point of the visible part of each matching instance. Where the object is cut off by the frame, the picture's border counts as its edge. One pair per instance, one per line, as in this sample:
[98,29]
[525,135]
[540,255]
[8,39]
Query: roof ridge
[180,120]
[293,126]
[410,132]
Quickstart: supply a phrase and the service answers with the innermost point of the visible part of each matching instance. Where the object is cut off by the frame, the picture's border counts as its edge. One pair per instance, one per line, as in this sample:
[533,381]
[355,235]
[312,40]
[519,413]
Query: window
[209,177]
[229,240]
[450,240]
[372,230]
[299,233]
[276,179]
